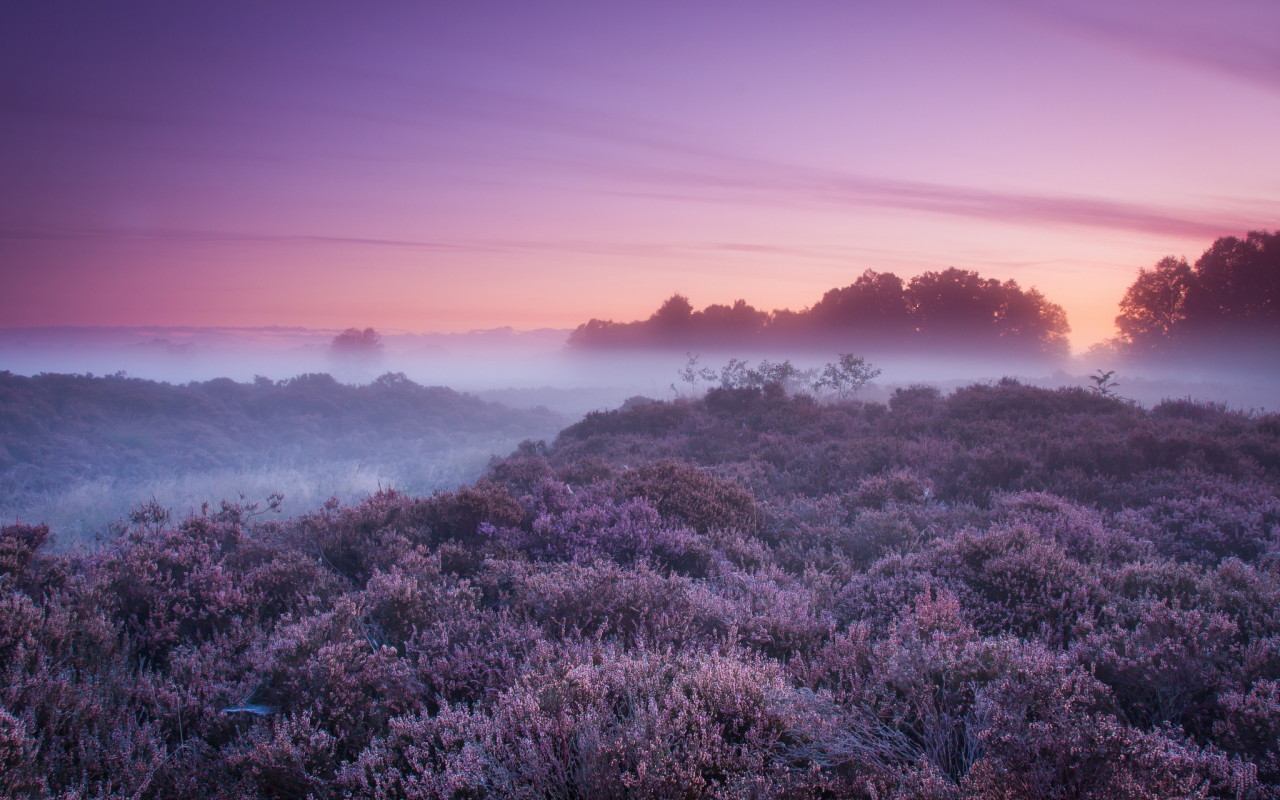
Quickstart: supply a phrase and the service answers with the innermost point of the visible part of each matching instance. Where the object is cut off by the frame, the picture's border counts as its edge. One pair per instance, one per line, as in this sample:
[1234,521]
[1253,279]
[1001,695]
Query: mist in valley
[81,462]
[752,401]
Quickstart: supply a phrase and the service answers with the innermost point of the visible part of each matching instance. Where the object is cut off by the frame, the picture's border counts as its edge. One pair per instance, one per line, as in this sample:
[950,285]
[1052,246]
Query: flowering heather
[1007,592]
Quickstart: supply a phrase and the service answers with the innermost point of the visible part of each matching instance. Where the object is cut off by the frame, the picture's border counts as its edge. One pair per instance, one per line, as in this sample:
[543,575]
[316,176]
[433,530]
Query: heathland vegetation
[1005,592]
[72,445]
[764,589]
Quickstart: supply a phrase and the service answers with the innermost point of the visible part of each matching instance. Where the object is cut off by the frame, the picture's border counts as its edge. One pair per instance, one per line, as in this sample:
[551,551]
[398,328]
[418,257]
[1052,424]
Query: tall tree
[954,303]
[1233,291]
[950,309]
[1030,322]
[961,309]
[874,306]
[356,342]
[674,314]
[1237,286]
[1154,307]
[734,321]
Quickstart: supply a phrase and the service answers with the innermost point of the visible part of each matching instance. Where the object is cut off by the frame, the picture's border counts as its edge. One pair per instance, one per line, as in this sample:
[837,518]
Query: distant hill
[128,438]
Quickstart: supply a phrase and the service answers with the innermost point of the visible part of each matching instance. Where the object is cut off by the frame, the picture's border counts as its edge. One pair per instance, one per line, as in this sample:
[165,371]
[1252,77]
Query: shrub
[648,419]
[457,516]
[693,496]
[898,486]
[1008,592]
[1014,580]
[18,545]
[1167,668]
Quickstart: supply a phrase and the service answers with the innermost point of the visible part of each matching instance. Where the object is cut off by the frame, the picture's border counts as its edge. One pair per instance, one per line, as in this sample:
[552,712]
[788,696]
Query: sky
[447,166]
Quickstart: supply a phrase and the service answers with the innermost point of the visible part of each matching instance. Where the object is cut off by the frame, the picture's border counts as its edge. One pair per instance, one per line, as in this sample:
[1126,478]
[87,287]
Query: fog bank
[525,369]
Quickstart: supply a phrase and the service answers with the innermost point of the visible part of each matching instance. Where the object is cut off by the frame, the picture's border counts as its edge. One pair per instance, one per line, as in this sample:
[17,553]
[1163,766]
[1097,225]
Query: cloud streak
[727,181]
[791,186]
[1232,47]
[630,156]
[679,169]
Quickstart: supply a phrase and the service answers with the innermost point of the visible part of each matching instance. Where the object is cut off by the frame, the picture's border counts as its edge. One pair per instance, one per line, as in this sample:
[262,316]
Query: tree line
[1228,303]
[952,309]
[1229,300]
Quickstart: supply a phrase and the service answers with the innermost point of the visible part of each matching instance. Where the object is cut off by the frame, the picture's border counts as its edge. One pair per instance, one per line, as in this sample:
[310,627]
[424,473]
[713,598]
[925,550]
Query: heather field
[570,400]
[1003,592]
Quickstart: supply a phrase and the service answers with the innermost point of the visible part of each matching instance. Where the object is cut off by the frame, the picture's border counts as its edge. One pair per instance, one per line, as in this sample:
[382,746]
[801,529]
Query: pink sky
[442,167]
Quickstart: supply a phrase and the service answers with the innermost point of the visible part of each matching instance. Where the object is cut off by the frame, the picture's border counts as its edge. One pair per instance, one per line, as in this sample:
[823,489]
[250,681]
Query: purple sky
[446,166]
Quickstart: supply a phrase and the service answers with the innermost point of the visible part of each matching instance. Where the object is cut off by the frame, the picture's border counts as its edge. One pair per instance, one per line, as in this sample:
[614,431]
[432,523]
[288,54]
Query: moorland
[78,450]
[1006,591]
[768,588]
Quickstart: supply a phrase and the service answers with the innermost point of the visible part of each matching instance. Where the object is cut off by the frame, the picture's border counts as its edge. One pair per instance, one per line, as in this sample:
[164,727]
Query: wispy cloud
[731,180]
[630,156]
[791,186]
[1238,39]
[670,163]
[209,236]
[651,249]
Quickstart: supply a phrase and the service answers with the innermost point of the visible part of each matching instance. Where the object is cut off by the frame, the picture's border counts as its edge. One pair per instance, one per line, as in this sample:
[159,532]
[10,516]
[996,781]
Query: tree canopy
[948,310]
[1231,295]
[354,341]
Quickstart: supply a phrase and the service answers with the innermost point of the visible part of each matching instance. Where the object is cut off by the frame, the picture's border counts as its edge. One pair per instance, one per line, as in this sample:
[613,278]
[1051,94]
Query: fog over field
[516,370]
[524,369]
[566,400]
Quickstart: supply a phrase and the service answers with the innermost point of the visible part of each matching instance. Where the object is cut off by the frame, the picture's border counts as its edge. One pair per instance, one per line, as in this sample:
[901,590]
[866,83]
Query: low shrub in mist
[1005,592]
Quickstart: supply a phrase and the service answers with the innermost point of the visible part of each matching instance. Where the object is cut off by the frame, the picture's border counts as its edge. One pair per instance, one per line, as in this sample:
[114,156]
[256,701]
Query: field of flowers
[1007,592]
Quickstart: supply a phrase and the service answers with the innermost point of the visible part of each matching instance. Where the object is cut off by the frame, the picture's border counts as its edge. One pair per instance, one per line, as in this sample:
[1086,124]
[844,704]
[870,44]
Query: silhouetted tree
[355,342]
[1155,305]
[954,302]
[739,319]
[1234,290]
[874,306]
[599,333]
[1028,317]
[675,314]
[952,309]
[1237,286]
[963,309]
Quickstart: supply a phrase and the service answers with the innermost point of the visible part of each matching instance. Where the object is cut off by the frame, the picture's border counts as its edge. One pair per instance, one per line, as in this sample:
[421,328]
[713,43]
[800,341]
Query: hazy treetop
[1229,299]
[952,309]
[354,341]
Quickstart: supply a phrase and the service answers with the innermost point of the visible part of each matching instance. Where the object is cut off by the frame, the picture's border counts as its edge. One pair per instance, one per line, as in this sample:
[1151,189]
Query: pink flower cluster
[1004,593]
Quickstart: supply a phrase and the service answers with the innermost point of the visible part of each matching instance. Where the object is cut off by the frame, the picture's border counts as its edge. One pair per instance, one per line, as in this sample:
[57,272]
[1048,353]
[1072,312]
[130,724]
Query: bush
[1008,592]
[18,545]
[690,495]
